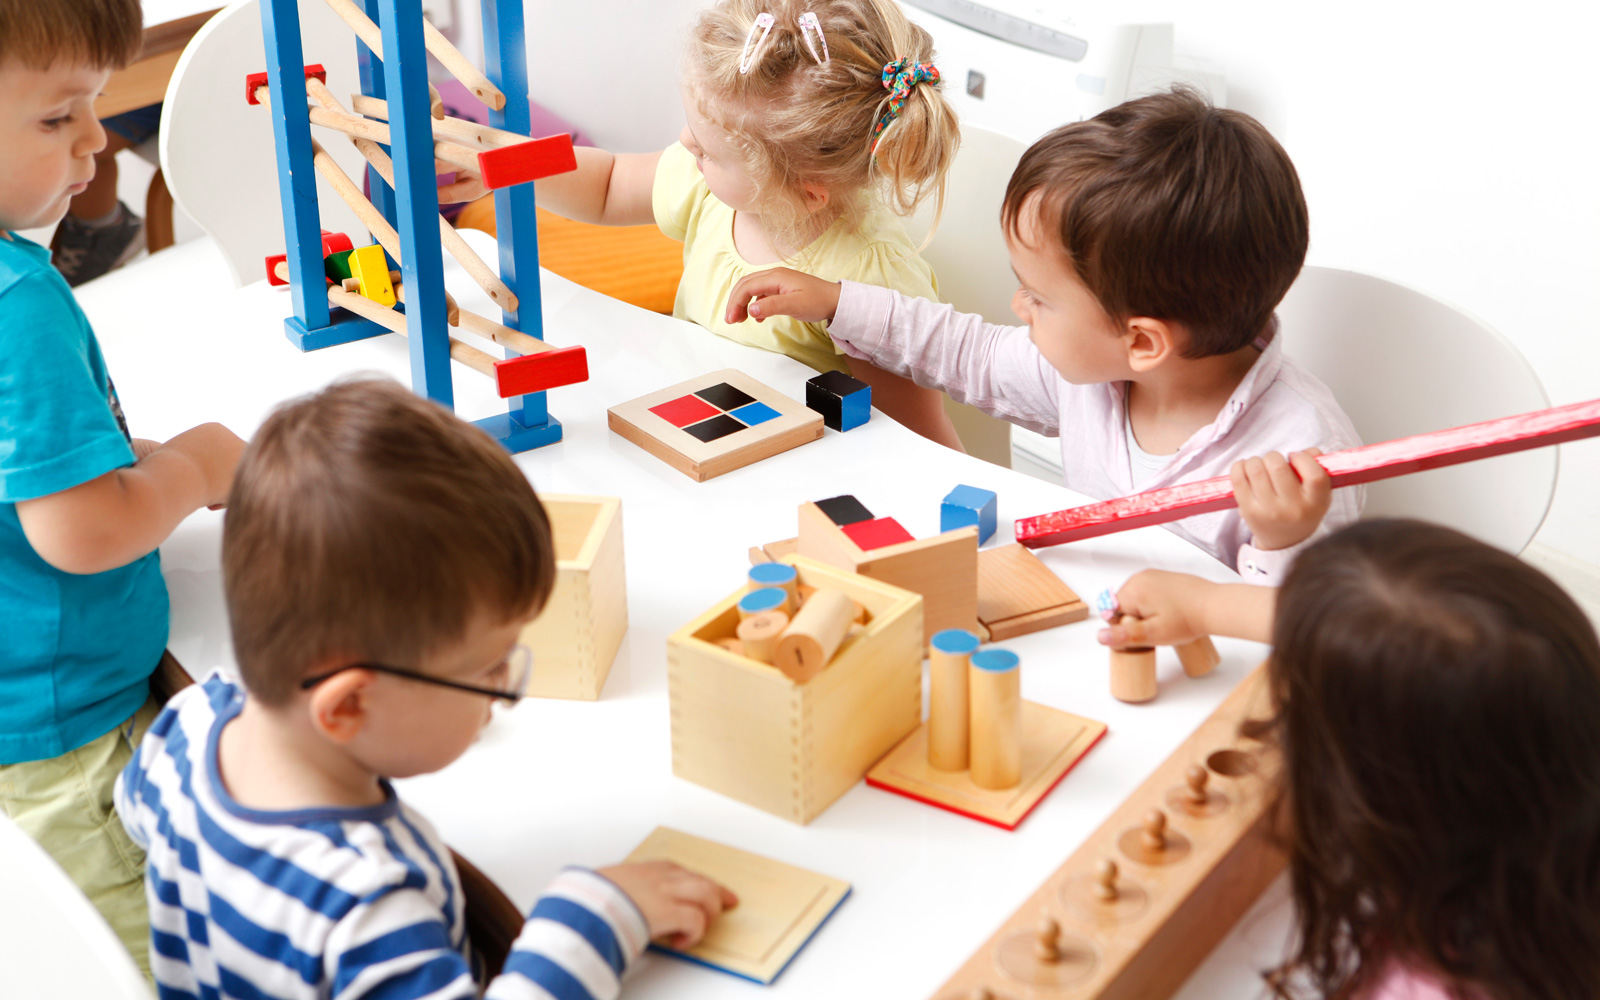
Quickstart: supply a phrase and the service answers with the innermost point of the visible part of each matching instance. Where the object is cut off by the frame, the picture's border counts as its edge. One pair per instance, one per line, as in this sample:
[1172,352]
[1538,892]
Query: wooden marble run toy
[1145,899]
[752,731]
[1001,593]
[1133,668]
[984,752]
[1351,467]
[397,109]
[781,907]
[716,423]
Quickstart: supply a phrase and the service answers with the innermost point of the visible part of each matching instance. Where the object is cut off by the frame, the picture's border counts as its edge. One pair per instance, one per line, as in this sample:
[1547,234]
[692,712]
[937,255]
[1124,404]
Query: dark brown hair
[367,522]
[1439,719]
[103,33]
[1170,208]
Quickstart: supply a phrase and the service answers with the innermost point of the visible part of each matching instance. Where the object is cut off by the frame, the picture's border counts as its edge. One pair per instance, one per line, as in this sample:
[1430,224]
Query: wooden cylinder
[995,693]
[948,655]
[1199,657]
[760,633]
[814,635]
[1133,674]
[761,600]
[776,574]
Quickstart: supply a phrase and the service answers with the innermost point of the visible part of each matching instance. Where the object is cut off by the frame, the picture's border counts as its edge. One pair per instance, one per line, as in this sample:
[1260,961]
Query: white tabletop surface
[556,782]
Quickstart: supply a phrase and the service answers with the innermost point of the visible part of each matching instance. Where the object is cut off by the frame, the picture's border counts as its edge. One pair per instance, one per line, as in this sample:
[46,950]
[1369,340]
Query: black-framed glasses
[518,667]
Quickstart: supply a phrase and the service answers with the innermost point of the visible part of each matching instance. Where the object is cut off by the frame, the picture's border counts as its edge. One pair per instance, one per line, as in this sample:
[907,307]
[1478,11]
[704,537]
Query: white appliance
[1023,67]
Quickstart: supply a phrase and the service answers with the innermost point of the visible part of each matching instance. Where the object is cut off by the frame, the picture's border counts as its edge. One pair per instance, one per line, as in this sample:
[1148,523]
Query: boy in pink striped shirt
[1151,245]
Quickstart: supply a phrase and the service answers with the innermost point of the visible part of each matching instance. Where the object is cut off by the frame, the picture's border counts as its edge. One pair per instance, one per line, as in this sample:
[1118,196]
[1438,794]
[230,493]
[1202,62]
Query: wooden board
[1350,467]
[1172,913]
[1052,742]
[1017,594]
[641,421]
[943,569]
[780,906]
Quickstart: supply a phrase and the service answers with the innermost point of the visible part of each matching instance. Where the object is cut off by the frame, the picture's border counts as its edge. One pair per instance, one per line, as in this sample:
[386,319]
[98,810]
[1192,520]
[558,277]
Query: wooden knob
[1105,880]
[1048,947]
[1196,777]
[1155,830]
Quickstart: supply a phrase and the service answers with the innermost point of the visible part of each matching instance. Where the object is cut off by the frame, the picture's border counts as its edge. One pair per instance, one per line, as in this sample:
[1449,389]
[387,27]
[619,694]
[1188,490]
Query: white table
[554,782]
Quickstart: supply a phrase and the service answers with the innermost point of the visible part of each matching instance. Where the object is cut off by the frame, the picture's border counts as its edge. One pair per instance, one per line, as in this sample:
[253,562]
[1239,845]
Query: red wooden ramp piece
[527,161]
[550,369]
[1352,467]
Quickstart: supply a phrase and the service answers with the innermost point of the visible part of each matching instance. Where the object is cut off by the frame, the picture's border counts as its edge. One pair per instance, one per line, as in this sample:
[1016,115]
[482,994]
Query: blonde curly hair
[797,121]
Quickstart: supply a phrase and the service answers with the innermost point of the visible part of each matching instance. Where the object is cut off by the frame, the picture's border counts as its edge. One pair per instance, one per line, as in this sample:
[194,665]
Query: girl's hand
[783,292]
[677,904]
[1159,608]
[1282,500]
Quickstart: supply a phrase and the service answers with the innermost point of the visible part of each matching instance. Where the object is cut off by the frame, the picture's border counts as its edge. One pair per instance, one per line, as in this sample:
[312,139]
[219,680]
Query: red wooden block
[539,372]
[877,533]
[1351,467]
[254,81]
[685,410]
[527,161]
[272,268]
[333,243]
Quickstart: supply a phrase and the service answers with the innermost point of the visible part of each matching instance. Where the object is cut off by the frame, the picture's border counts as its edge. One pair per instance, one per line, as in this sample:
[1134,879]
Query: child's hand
[1282,500]
[467,186]
[215,451]
[1159,609]
[677,903]
[783,292]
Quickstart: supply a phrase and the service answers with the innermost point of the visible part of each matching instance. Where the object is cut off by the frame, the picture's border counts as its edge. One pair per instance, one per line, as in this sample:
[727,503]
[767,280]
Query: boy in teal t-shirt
[83,505]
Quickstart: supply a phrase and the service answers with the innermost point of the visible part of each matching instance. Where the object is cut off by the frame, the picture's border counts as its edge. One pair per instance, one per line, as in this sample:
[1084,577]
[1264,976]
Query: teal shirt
[76,652]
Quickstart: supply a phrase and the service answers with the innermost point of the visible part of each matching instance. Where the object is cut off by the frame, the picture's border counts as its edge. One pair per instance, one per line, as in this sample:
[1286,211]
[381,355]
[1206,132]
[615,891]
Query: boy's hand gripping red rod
[1366,464]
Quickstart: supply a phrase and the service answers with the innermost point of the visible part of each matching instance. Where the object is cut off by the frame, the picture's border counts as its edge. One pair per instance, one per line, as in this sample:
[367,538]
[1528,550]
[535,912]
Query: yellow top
[877,253]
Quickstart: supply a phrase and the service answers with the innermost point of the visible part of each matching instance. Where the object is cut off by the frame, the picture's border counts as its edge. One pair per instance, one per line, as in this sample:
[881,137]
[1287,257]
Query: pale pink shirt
[1277,407]
[1402,983]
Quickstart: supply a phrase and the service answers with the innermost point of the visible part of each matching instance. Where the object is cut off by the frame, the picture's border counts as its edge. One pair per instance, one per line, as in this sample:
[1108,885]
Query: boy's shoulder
[23,261]
[335,854]
[31,289]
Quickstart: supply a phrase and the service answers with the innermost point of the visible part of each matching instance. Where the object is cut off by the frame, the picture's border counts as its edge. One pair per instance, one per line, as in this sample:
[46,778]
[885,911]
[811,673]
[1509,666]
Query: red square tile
[685,410]
[877,534]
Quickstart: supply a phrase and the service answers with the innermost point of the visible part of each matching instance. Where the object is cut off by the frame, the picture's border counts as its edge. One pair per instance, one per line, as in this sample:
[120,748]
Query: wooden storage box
[576,637]
[743,728]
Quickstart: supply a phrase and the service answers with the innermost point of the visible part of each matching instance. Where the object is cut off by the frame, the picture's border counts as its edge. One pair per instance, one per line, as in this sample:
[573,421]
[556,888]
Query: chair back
[1402,363]
[217,152]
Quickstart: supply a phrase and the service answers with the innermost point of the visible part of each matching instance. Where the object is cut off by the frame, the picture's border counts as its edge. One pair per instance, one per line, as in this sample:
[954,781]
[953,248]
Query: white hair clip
[747,58]
[808,24]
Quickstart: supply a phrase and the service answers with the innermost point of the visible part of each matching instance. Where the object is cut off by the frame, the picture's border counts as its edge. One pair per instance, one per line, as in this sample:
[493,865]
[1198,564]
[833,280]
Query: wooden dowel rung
[501,334]
[448,55]
[468,134]
[364,307]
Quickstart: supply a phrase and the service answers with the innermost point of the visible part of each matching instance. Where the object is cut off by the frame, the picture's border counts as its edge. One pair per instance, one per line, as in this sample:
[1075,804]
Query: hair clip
[808,24]
[747,58]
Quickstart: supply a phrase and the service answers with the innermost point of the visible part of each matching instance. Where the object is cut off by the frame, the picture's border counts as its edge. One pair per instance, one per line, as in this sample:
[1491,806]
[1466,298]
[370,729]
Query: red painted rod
[1366,464]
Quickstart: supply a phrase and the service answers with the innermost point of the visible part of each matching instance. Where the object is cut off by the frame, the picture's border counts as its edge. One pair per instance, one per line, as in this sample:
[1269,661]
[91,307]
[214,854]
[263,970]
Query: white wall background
[1452,147]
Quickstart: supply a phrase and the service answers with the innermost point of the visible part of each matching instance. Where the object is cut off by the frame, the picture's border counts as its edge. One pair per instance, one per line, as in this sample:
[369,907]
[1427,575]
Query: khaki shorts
[65,803]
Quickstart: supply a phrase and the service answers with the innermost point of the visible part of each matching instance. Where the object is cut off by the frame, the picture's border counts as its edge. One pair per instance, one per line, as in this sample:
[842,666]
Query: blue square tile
[755,413]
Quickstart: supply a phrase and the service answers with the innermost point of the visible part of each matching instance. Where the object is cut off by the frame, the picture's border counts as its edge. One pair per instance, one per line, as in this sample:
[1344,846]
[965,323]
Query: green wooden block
[337,265]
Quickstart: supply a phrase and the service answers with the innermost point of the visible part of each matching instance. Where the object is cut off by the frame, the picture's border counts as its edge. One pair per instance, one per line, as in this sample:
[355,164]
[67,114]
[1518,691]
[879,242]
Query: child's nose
[93,138]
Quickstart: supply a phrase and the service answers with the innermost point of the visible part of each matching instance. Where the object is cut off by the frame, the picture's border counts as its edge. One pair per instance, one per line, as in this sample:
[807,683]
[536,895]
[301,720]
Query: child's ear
[339,705]
[1150,342]
[815,197]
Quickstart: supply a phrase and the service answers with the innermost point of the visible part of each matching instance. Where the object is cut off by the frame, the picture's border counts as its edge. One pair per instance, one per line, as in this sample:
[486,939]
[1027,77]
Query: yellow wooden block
[369,267]
[780,906]
[743,728]
[575,638]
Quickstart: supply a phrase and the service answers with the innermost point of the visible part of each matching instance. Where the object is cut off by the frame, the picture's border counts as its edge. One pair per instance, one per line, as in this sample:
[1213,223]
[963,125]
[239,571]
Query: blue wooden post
[405,72]
[371,68]
[528,424]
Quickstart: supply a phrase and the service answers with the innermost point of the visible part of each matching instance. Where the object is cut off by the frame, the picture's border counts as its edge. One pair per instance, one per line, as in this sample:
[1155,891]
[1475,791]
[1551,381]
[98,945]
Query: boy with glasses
[380,558]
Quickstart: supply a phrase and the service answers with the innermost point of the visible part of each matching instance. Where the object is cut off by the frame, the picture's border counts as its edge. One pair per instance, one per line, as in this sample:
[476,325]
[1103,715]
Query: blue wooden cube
[845,403]
[969,505]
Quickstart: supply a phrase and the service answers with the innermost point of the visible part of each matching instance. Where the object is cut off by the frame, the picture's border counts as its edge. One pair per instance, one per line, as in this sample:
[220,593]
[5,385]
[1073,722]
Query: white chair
[54,945]
[968,253]
[217,151]
[1401,363]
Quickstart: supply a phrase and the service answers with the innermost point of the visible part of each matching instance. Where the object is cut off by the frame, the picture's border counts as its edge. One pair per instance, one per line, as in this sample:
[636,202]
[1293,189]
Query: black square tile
[717,427]
[837,382]
[844,510]
[725,396]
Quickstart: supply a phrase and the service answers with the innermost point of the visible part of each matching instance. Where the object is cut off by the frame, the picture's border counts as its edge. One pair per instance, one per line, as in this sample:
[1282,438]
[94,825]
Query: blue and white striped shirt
[332,903]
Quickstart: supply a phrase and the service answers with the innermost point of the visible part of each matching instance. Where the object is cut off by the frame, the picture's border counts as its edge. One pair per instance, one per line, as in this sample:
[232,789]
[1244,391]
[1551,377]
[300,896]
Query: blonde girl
[812,125]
